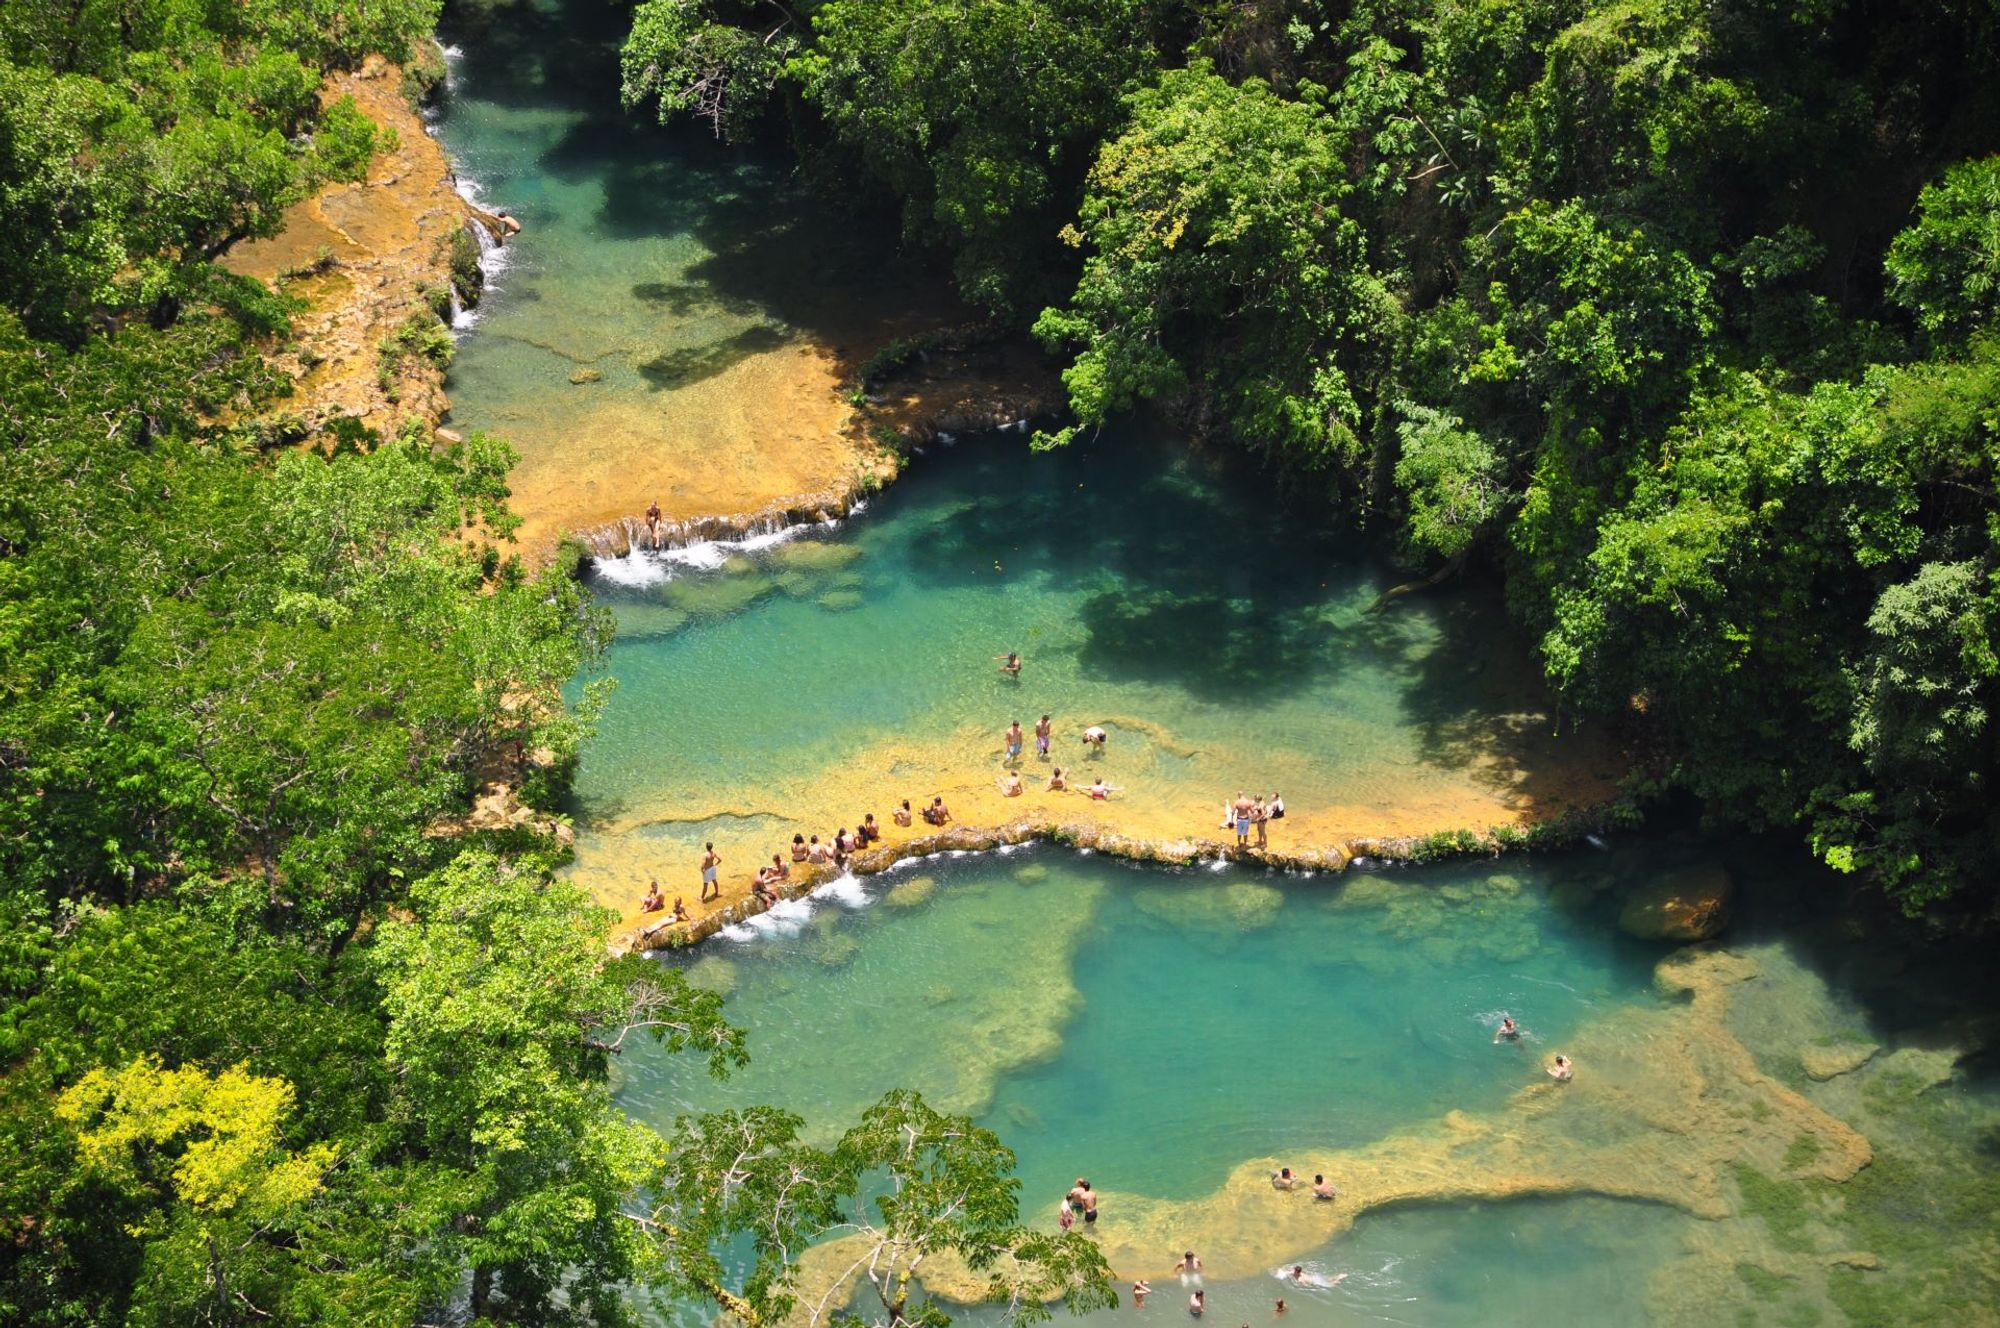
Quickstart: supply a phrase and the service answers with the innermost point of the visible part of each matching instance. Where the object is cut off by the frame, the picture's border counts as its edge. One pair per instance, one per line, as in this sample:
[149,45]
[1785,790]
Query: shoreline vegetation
[303,1018]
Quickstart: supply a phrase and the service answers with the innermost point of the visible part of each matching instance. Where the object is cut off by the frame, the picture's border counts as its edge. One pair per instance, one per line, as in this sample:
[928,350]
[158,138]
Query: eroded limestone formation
[1665,1105]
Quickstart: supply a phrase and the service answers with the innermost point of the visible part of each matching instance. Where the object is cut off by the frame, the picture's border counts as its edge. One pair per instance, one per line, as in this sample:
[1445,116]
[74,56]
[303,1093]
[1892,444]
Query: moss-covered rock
[1687,905]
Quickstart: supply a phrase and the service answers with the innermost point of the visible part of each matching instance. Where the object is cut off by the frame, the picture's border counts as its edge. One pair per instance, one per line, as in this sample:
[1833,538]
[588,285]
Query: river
[1176,1034]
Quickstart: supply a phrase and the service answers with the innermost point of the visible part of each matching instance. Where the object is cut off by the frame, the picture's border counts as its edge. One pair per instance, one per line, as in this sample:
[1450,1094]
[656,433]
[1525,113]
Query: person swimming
[1299,1273]
[1323,1189]
[1508,1029]
[1280,1307]
[1010,785]
[1562,1070]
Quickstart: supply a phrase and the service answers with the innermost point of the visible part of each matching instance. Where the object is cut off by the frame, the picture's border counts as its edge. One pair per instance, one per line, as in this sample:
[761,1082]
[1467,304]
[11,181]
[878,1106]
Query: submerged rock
[910,893]
[1688,905]
[1823,1063]
[586,375]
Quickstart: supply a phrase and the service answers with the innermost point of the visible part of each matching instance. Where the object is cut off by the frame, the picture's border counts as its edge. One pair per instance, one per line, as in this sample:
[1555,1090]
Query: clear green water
[689,277]
[1150,1029]
[1224,641]
[1213,1017]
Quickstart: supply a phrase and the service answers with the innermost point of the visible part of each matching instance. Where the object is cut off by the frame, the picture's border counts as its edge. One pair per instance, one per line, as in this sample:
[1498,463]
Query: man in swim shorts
[1013,740]
[1043,732]
[1010,663]
[1242,810]
[711,861]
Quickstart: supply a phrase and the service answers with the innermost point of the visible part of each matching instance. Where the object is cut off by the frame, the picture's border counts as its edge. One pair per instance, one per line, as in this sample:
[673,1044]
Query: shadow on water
[832,268]
[691,364]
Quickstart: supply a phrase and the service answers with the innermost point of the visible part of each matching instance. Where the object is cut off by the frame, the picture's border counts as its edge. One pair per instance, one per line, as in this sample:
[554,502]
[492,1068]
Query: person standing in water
[1013,740]
[1197,1302]
[1011,663]
[653,523]
[1562,1070]
[711,862]
[1189,1266]
[1093,738]
[1508,1029]
[1044,732]
[1141,1289]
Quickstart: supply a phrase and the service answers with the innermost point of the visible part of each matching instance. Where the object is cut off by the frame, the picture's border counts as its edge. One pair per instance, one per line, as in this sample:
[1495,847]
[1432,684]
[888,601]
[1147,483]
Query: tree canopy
[1681,315]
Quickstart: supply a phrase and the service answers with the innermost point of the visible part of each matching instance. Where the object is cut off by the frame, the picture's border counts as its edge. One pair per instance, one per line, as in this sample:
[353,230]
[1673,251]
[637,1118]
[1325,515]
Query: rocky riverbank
[378,264]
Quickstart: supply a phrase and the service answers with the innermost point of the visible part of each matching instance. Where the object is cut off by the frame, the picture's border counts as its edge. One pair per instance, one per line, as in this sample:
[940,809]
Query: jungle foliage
[285,1037]
[1681,314]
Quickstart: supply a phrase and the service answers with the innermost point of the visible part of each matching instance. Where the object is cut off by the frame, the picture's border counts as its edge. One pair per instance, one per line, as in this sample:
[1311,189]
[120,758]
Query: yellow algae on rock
[1665,1106]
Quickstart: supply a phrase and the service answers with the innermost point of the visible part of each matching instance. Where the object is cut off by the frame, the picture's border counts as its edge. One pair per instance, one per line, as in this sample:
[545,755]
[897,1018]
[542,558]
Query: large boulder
[1687,905]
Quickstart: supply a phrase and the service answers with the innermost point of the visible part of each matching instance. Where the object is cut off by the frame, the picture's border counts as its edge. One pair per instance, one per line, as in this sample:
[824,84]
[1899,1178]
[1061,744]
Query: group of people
[1244,813]
[1011,742]
[1189,1272]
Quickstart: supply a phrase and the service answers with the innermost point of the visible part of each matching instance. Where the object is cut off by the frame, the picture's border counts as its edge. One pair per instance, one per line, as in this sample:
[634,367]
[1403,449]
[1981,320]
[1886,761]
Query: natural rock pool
[1175,1035]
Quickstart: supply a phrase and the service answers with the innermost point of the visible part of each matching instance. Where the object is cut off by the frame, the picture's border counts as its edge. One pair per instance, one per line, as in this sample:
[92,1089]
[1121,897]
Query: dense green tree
[905,1185]
[1219,203]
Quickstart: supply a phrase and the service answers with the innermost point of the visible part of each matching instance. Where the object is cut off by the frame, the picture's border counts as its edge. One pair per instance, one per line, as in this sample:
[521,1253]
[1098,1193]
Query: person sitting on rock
[901,816]
[1010,785]
[1057,784]
[1323,1188]
[937,813]
[654,900]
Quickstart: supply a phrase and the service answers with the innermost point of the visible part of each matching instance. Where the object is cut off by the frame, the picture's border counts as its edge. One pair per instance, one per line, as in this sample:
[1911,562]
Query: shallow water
[1155,1030]
[711,291]
[1160,1031]
[1223,641]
